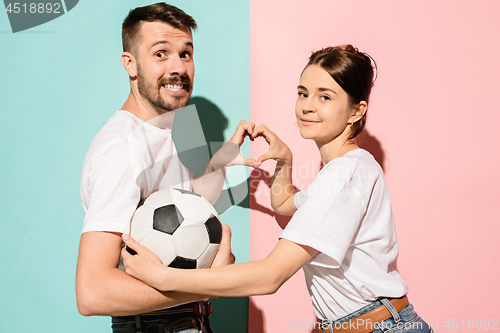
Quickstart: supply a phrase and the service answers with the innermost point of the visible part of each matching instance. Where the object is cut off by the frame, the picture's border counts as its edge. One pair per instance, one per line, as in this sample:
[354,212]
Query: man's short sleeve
[109,192]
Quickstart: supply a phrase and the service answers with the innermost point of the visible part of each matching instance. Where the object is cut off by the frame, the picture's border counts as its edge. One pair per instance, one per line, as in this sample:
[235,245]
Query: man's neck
[135,106]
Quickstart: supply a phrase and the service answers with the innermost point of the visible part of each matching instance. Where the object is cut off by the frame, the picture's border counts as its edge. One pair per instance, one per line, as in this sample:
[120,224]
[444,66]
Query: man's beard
[152,93]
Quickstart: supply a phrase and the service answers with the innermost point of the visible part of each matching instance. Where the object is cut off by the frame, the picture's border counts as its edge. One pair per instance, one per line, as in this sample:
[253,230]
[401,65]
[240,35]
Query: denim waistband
[363,310]
[173,312]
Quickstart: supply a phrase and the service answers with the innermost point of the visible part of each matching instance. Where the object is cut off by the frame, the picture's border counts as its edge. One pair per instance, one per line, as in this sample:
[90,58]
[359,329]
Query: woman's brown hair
[352,70]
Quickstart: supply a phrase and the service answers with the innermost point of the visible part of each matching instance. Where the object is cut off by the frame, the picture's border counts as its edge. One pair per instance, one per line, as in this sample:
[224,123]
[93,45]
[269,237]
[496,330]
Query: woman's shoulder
[354,162]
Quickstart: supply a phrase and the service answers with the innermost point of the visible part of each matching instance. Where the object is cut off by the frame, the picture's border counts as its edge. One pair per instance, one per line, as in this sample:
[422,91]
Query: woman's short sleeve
[330,210]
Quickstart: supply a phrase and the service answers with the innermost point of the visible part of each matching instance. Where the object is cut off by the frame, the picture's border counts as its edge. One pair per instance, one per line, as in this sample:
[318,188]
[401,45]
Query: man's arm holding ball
[103,289]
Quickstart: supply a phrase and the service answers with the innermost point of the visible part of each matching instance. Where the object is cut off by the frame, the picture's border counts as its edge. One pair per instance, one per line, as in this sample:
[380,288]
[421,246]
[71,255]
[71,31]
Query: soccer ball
[180,227]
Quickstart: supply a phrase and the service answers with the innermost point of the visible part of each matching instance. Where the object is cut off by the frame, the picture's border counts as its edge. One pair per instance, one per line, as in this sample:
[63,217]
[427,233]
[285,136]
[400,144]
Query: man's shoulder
[113,134]
[119,125]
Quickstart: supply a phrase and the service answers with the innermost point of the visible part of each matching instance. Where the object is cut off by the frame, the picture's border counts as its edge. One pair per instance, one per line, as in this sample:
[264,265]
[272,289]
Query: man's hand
[230,154]
[224,256]
[244,129]
[210,184]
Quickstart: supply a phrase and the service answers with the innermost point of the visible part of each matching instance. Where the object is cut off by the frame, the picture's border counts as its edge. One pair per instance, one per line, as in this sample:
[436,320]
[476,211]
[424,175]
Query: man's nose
[177,66]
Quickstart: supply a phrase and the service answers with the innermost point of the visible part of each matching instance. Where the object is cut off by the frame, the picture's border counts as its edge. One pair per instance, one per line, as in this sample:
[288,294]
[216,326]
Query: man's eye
[160,54]
[302,94]
[186,55]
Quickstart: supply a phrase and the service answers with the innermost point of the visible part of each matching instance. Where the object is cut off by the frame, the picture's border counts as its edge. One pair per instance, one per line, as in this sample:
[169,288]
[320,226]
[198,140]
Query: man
[158,56]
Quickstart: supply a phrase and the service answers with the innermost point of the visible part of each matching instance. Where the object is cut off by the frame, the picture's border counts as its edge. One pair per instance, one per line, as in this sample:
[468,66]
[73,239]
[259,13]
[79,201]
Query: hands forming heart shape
[230,153]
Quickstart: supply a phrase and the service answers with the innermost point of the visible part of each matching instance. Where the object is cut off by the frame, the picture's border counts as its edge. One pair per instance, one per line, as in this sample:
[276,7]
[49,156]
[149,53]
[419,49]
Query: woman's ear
[129,63]
[359,111]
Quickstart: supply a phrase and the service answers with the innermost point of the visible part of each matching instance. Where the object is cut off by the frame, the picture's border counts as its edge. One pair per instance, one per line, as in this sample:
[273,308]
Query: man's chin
[179,103]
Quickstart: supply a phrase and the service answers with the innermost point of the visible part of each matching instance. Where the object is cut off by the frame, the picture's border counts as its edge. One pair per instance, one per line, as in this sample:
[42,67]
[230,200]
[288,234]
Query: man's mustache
[184,79]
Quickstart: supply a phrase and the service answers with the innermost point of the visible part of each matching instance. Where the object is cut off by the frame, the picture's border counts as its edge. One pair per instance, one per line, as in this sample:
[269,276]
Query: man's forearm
[114,293]
[210,184]
[103,289]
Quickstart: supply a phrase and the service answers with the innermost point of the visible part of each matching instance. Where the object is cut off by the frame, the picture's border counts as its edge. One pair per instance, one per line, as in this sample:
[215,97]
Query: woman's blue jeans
[407,320]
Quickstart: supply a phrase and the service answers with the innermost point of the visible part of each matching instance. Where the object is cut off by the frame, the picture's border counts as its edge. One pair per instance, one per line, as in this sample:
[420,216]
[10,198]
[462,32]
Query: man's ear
[129,63]
[359,111]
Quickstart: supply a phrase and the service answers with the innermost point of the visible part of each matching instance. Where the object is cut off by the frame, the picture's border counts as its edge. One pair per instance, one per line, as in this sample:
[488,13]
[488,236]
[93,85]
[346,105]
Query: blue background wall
[59,83]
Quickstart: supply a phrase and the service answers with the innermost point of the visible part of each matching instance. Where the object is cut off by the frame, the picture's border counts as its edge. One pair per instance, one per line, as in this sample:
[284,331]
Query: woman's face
[322,107]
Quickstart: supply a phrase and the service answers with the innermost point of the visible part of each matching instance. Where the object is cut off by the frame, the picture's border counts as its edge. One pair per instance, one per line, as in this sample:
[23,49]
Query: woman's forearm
[282,188]
[244,279]
[260,277]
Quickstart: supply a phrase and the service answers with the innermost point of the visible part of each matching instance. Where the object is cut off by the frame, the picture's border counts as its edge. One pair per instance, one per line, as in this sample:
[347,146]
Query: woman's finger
[264,157]
[130,242]
[131,246]
[265,133]
[125,254]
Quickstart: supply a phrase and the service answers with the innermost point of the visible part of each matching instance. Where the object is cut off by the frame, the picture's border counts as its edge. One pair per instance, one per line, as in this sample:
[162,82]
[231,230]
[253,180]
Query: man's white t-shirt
[346,215]
[128,160]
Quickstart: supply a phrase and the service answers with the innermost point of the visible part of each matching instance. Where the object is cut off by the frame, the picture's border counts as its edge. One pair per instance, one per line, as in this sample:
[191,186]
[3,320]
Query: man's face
[165,67]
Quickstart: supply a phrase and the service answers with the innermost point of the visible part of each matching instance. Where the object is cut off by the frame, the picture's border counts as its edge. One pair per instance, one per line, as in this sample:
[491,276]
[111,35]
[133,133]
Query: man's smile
[173,87]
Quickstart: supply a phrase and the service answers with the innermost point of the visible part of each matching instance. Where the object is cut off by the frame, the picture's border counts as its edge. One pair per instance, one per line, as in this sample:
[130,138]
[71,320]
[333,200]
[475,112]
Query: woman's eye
[325,98]
[302,94]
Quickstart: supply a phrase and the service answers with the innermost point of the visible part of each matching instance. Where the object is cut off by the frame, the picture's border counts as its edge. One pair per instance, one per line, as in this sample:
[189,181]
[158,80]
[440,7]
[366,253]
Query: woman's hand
[278,150]
[147,267]
[144,265]
[224,256]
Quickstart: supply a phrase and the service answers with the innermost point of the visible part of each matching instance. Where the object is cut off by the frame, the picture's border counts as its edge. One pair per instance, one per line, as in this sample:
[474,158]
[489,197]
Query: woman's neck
[334,149]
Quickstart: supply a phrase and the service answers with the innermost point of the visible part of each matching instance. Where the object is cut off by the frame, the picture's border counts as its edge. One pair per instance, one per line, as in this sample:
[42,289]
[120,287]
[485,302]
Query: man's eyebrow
[301,87]
[163,41]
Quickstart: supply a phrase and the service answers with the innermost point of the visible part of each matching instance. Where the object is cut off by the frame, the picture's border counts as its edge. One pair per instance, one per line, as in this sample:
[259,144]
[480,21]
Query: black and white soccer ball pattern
[180,227]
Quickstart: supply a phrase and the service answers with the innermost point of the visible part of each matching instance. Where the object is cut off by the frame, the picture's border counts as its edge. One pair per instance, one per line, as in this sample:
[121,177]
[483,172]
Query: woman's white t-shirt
[346,215]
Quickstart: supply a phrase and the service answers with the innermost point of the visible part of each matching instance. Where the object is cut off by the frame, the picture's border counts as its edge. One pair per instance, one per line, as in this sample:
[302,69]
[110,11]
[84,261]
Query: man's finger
[249,127]
[250,162]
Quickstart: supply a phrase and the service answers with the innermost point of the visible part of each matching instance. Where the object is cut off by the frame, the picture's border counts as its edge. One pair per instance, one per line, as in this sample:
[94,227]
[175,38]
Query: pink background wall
[432,123]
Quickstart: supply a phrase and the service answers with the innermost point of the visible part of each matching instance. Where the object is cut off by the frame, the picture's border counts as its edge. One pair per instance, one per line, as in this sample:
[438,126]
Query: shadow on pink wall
[370,143]
[257,176]
[257,315]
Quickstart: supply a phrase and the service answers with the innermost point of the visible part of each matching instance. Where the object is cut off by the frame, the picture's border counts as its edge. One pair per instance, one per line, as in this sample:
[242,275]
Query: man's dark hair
[161,12]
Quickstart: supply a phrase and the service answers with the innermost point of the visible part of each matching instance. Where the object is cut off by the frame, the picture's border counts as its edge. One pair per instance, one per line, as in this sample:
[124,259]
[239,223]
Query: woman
[342,232]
